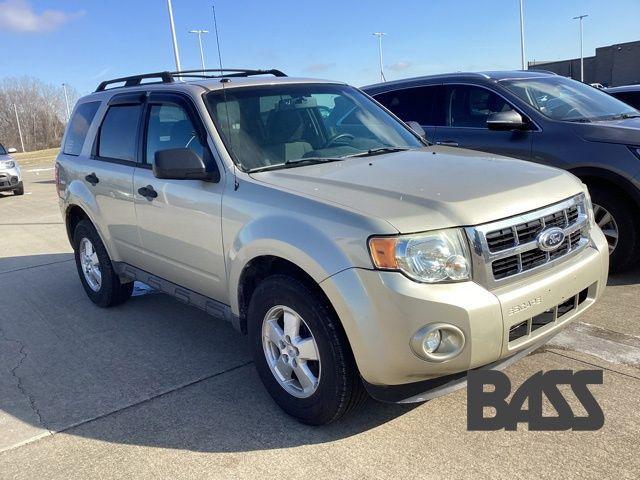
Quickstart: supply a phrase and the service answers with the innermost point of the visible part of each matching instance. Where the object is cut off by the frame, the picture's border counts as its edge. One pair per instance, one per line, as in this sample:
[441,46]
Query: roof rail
[169,77]
[227,72]
[134,80]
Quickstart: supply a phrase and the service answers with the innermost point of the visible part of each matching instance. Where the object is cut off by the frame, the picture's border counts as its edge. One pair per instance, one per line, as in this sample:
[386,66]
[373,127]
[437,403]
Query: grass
[37,158]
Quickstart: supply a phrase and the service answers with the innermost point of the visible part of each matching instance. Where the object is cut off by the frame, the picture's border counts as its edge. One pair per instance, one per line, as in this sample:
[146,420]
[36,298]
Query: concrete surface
[155,389]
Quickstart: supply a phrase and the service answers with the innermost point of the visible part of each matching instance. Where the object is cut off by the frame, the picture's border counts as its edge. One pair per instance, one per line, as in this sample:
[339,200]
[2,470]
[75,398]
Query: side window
[78,127]
[417,104]
[118,132]
[469,106]
[170,127]
[630,98]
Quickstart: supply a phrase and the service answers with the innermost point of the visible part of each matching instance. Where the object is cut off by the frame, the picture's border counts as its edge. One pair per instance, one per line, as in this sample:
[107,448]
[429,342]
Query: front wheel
[620,225]
[19,190]
[301,353]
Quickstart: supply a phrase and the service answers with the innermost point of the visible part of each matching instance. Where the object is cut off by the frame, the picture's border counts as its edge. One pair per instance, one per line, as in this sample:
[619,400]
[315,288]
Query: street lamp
[580,17]
[524,66]
[176,54]
[199,33]
[380,35]
[66,99]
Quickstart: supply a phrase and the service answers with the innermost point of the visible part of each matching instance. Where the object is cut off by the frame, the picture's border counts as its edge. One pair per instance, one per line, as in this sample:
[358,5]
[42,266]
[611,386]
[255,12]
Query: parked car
[10,175]
[544,118]
[356,258]
[629,94]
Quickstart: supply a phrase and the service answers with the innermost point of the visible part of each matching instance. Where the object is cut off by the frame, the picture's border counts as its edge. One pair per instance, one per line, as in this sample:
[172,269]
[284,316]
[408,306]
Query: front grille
[510,247]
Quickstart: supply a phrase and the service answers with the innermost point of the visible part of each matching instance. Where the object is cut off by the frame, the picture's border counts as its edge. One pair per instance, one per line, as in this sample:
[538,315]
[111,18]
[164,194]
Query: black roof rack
[132,81]
[169,77]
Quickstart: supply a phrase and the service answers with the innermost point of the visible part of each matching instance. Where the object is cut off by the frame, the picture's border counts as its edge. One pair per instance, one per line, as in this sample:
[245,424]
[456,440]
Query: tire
[627,249]
[19,190]
[108,291]
[338,389]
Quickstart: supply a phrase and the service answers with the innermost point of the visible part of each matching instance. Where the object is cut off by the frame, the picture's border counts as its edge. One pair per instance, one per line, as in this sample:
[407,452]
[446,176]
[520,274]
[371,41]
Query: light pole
[580,17]
[380,35]
[524,66]
[199,33]
[176,54]
[66,99]
[15,109]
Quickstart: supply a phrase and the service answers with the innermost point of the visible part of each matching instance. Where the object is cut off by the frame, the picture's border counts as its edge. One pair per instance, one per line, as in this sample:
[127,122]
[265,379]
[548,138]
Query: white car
[10,176]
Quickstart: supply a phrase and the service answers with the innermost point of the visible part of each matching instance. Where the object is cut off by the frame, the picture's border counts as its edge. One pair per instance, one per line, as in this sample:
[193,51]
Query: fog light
[437,342]
[432,341]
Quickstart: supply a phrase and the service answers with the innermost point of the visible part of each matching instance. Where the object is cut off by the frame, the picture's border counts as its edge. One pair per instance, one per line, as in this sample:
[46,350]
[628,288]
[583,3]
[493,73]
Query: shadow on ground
[153,371]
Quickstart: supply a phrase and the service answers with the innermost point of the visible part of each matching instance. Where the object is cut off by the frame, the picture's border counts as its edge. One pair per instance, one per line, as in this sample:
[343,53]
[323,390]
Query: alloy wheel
[90,264]
[608,225]
[291,351]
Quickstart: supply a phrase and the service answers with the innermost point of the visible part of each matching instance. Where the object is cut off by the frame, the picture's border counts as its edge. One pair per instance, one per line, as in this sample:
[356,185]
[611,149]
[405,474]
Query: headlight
[8,164]
[431,257]
[588,205]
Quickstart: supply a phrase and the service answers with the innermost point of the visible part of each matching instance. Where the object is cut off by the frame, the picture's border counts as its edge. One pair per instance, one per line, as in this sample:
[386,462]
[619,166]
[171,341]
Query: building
[611,66]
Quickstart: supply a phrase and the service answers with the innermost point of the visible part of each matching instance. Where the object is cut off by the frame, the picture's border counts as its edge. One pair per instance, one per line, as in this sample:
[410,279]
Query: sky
[83,42]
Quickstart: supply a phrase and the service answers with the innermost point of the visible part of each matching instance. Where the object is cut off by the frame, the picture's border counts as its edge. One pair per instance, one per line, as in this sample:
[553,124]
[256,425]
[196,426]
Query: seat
[285,133]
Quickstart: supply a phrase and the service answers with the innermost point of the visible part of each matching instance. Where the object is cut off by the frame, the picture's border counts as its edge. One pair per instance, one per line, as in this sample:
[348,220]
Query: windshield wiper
[378,151]
[577,120]
[295,162]
[623,116]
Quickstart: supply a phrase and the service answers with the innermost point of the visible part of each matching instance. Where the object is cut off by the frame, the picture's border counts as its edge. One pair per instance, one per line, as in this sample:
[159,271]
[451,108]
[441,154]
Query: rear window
[78,127]
[118,132]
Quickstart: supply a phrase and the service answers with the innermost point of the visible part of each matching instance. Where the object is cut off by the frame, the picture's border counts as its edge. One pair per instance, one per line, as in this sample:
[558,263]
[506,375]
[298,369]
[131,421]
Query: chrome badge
[550,239]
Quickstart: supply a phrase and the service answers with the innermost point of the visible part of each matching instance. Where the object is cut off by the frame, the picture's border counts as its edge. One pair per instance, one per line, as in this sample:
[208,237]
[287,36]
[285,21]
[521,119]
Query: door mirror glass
[11,150]
[417,128]
[182,164]
[506,121]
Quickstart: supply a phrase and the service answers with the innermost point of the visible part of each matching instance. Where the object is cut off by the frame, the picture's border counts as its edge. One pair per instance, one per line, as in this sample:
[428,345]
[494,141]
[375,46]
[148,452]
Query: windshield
[276,126]
[2,150]
[560,98]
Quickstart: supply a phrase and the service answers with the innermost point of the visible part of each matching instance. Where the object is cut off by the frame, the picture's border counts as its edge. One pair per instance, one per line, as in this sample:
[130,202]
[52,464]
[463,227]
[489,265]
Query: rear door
[418,104]
[109,174]
[180,227]
[465,109]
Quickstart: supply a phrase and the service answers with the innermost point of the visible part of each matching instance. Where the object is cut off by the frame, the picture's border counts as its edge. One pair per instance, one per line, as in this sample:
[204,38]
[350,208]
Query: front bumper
[380,312]
[10,179]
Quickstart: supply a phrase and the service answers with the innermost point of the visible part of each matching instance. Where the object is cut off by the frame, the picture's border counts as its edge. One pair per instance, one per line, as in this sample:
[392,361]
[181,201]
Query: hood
[429,189]
[4,158]
[625,131]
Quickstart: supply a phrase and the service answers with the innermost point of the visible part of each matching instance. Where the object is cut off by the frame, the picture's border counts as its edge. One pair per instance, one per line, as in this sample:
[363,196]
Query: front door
[179,220]
[466,109]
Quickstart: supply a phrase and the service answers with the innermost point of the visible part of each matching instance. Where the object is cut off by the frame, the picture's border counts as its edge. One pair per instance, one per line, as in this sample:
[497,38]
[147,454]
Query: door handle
[92,179]
[448,143]
[148,192]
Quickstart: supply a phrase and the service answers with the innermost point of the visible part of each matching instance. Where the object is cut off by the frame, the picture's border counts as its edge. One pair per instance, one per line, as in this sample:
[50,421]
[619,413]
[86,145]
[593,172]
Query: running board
[214,308]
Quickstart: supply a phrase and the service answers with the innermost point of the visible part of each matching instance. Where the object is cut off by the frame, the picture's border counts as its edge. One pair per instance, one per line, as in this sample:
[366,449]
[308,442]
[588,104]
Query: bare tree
[41,109]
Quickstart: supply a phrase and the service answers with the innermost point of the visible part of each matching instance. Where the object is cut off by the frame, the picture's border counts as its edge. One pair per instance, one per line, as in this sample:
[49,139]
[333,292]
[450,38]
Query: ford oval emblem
[550,239]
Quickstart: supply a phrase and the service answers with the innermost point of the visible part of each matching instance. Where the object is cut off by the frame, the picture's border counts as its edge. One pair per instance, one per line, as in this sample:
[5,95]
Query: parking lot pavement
[154,388]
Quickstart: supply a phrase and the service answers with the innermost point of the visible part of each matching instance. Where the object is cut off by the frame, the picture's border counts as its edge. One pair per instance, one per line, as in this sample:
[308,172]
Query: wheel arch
[604,177]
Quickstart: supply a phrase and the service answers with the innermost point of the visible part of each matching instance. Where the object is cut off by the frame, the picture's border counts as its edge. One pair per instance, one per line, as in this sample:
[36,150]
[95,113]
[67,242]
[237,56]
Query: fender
[292,239]
[77,194]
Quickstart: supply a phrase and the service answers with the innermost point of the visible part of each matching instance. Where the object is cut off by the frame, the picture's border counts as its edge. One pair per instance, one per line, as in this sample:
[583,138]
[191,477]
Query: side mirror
[11,150]
[506,121]
[417,128]
[183,164]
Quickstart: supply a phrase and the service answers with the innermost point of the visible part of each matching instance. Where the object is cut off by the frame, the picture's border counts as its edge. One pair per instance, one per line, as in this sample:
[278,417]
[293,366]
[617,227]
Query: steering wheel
[569,112]
[339,136]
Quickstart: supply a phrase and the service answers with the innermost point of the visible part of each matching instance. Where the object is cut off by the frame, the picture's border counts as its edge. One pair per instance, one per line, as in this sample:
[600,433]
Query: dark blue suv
[540,117]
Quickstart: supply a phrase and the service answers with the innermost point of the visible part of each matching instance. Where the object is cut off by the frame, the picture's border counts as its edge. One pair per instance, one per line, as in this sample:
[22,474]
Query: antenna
[224,80]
